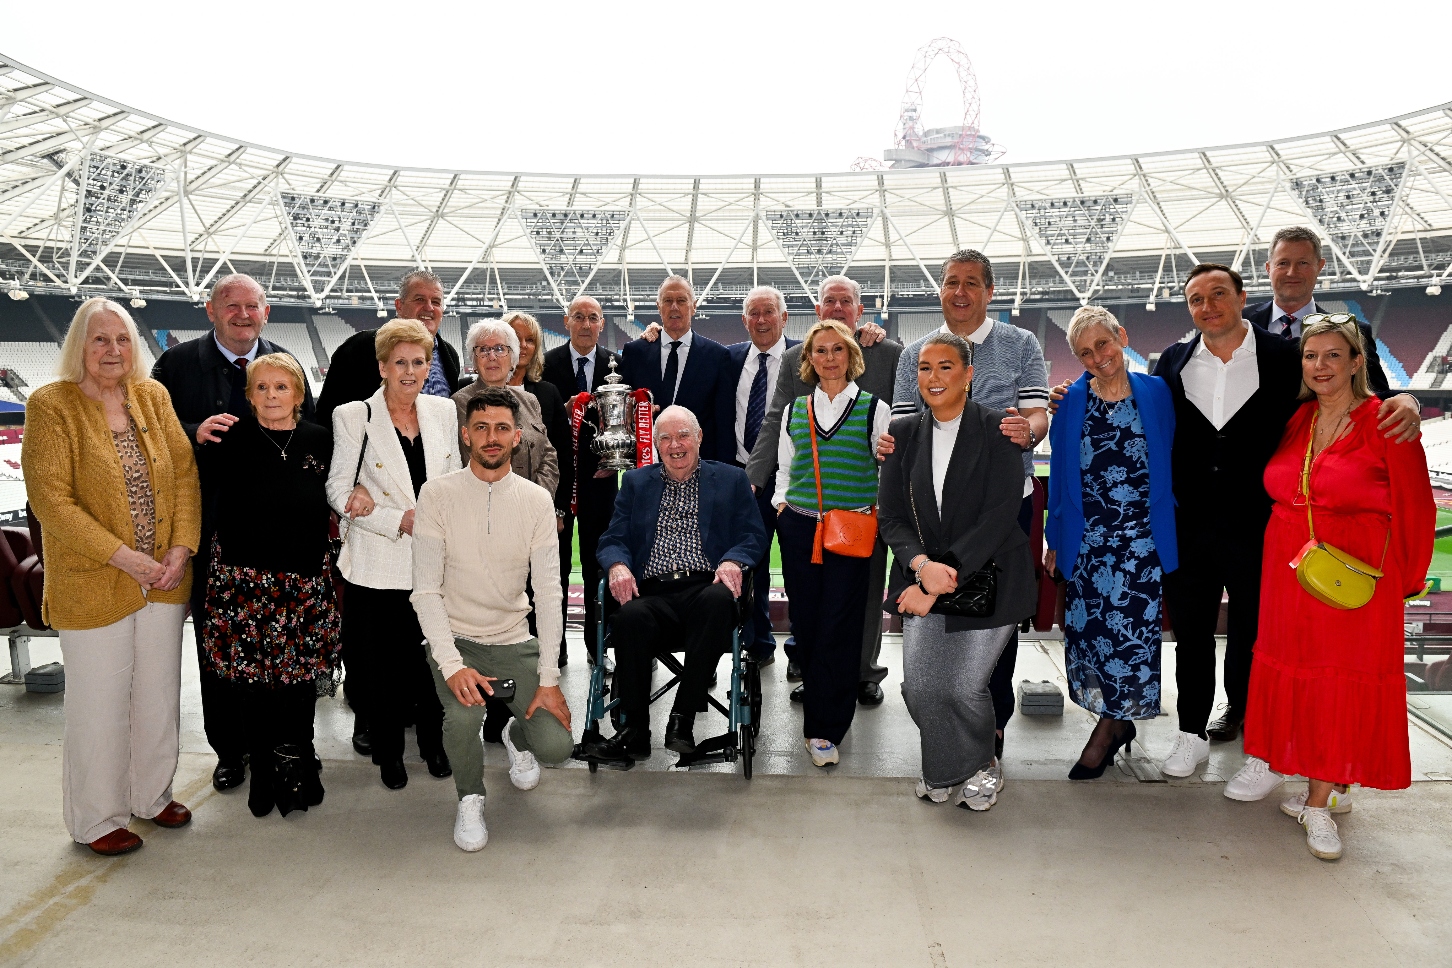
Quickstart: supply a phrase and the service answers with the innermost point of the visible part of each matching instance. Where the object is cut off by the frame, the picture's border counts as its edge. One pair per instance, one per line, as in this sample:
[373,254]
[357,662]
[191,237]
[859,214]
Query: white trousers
[123,710]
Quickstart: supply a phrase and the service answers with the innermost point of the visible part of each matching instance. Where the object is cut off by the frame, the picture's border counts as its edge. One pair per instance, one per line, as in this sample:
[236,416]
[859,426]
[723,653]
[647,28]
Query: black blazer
[557,426]
[353,373]
[1260,315]
[697,389]
[199,379]
[559,372]
[984,485]
[736,355]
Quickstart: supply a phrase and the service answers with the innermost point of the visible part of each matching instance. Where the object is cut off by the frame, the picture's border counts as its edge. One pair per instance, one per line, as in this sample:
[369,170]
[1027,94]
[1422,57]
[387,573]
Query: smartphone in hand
[503,689]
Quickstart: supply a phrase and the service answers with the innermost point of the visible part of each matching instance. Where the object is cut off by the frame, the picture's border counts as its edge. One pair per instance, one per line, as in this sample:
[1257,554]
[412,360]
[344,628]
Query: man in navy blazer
[683,367]
[1293,266]
[747,387]
[683,531]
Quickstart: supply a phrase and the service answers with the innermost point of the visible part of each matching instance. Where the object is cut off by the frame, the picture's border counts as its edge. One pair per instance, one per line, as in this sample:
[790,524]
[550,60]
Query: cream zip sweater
[474,545]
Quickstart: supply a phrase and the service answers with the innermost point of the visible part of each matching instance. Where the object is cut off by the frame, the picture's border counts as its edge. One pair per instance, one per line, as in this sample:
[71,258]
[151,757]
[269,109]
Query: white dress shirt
[743,388]
[827,413]
[1218,390]
[249,356]
[575,357]
[1274,325]
[945,435]
[665,355]
[978,337]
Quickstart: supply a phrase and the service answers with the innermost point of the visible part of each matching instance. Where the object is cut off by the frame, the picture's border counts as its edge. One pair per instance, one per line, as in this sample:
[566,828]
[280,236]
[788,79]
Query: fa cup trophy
[623,426]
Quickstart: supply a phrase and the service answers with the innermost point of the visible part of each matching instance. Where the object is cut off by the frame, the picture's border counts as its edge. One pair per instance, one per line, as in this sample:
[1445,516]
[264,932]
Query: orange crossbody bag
[852,534]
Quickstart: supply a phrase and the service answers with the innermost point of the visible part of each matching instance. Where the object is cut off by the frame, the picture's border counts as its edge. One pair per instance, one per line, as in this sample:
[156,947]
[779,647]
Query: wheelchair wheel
[748,749]
[753,696]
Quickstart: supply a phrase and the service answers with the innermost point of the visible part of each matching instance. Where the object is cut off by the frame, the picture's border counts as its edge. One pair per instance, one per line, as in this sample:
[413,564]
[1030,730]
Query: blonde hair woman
[111,478]
[384,449]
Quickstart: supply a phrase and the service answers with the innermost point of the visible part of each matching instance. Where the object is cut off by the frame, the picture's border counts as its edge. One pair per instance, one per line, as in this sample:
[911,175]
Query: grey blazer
[878,378]
[982,493]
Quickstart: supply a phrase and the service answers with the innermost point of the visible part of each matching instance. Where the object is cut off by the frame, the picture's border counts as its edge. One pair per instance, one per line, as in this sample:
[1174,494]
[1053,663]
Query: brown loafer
[116,842]
[173,815]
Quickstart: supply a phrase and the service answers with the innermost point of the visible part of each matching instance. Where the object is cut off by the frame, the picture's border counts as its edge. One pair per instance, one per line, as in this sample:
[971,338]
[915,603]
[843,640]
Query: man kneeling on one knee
[478,534]
[674,552]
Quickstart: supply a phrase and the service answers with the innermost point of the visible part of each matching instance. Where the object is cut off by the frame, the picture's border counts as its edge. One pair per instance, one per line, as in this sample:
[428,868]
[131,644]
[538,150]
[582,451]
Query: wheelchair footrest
[582,752]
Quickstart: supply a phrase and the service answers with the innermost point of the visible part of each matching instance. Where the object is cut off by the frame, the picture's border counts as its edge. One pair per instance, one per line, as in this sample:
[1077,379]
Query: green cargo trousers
[543,735]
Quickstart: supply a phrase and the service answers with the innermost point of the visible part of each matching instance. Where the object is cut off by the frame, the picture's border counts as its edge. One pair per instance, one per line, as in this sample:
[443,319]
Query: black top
[978,524]
[557,427]
[413,452]
[272,513]
[353,372]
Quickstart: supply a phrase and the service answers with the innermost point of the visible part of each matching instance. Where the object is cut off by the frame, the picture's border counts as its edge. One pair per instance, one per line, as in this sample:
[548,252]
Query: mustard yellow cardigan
[74,481]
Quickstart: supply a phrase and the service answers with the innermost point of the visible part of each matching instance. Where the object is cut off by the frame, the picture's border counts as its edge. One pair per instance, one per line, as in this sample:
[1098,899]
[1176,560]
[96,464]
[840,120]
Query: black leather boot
[290,775]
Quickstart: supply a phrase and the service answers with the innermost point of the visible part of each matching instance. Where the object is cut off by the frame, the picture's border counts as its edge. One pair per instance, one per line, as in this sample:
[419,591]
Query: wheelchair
[743,702]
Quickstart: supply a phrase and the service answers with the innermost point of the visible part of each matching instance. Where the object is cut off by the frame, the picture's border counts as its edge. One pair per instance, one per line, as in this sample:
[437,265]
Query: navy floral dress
[1113,600]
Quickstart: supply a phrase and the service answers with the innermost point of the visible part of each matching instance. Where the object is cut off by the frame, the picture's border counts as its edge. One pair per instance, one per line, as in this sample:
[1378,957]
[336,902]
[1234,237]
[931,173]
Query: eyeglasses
[1335,319]
[592,319]
[679,438]
[488,351]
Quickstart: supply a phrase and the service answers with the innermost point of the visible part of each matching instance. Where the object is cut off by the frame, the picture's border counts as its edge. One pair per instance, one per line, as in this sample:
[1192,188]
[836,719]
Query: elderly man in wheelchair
[682,533]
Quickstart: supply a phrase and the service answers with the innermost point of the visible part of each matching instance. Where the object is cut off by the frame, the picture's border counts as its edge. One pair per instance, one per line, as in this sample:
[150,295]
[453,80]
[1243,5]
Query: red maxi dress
[1328,694]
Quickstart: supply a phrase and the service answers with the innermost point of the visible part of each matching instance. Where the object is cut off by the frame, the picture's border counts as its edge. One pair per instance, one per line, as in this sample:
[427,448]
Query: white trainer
[1188,752]
[822,752]
[981,790]
[1338,802]
[523,767]
[469,831]
[1255,781]
[932,794]
[1322,840]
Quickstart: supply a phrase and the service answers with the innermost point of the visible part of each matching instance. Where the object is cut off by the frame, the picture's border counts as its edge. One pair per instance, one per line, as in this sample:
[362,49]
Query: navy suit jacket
[698,389]
[731,528]
[736,355]
[1260,315]
[1064,527]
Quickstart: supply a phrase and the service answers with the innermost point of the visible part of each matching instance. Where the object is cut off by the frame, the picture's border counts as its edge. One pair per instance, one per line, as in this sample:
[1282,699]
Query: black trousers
[827,602]
[1000,684]
[382,639]
[223,708]
[1209,565]
[596,505]
[691,615]
[758,625]
[277,715]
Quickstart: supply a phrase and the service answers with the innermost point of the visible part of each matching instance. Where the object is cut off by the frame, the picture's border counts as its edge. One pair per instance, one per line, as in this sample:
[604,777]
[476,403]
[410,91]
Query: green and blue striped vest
[849,465]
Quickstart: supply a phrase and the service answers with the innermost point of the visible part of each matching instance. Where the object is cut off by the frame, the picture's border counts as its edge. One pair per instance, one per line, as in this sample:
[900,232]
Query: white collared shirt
[1218,390]
[1276,328]
[232,358]
[945,438]
[682,353]
[743,388]
[575,357]
[827,413]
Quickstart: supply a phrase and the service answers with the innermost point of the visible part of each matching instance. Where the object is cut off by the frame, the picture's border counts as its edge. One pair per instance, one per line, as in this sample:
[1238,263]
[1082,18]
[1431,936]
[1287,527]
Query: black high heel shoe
[1082,772]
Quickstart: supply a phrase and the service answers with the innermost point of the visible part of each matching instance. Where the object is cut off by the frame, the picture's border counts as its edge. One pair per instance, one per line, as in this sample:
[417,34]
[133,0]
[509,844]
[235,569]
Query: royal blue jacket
[1064,528]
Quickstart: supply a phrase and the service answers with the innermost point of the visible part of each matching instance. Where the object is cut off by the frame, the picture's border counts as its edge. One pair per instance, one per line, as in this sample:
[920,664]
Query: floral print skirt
[272,628]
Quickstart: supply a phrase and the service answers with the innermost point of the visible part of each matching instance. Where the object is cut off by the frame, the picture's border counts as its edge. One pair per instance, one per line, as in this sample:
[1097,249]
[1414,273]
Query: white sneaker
[523,767]
[1188,752]
[933,794]
[469,831]
[981,790]
[1255,781]
[1322,840]
[822,752]
[1338,802]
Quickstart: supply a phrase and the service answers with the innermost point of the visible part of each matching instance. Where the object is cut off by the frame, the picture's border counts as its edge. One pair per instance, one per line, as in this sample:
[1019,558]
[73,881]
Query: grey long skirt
[945,684]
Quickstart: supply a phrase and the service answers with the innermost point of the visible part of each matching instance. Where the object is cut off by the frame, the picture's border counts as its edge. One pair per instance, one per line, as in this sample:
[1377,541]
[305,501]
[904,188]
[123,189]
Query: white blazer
[374,554]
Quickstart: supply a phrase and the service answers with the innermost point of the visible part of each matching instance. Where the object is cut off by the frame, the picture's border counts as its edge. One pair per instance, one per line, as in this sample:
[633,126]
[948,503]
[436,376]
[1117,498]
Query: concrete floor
[798,867]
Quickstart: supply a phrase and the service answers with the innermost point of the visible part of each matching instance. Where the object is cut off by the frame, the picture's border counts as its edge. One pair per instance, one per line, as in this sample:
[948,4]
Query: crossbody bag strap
[816,466]
[358,471]
[1306,492]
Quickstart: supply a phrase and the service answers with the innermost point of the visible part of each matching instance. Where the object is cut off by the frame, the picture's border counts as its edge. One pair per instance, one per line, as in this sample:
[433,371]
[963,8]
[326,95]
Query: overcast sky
[734,87]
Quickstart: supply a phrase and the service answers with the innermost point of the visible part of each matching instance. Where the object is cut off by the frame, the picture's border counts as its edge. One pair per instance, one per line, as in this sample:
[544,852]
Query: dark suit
[596,495]
[353,372]
[1260,315]
[695,614]
[203,383]
[1220,519]
[879,377]
[758,629]
[697,389]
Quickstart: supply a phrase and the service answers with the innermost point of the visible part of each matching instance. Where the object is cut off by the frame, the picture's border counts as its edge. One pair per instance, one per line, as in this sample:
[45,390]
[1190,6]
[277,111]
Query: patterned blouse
[138,487]
[678,544]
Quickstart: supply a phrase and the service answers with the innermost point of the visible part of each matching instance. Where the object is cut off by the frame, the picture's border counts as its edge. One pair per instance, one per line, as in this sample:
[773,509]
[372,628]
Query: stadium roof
[98,197]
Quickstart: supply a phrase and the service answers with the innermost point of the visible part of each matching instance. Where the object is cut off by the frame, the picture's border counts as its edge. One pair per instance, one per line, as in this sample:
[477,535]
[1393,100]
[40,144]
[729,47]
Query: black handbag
[976,595]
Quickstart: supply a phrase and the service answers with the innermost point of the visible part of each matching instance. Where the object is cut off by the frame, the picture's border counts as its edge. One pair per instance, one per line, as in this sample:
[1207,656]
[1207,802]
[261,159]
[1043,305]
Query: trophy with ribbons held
[624,426]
